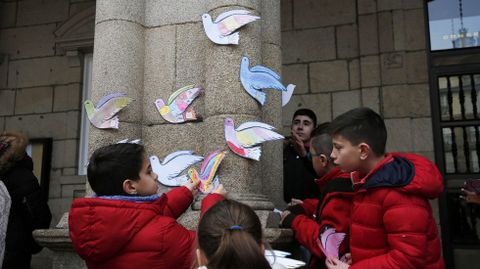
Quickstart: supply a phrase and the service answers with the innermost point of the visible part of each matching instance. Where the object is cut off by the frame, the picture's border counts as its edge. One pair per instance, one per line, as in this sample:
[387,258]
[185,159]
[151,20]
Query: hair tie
[235,228]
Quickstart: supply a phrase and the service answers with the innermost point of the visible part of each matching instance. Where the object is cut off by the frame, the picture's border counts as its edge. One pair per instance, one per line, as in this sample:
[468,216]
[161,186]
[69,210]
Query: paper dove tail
[233,38]
[253,153]
[109,124]
[286,95]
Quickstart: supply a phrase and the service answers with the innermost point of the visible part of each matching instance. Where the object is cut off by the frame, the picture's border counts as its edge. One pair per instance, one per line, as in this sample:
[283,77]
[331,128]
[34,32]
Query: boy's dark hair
[361,125]
[109,166]
[306,112]
[322,140]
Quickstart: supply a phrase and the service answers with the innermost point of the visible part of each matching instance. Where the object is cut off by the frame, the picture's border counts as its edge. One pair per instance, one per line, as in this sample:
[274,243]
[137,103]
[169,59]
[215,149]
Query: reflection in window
[454,24]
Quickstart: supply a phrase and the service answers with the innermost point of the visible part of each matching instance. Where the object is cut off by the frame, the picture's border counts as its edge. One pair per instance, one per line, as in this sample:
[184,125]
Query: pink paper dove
[222,30]
[177,109]
[103,115]
[330,241]
[245,139]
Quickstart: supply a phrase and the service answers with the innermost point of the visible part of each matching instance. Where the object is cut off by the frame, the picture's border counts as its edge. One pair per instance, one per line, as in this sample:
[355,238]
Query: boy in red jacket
[129,225]
[332,209]
[392,225]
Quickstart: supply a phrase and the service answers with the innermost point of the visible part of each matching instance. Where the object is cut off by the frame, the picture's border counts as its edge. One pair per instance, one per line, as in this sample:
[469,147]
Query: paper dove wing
[231,13]
[113,106]
[173,165]
[286,95]
[253,133]
[330,242]
[259,68]
[105,98]
[208,180]
[273,258]
[125,141]
[178,92]
[232,22]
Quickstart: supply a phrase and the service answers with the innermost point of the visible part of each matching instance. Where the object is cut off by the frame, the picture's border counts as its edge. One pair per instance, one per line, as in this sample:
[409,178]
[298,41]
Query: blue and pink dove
[172,166]
[246,138]
[258,77]
[329,241]
[207,177]
[104,114]
[223,30]
[177,109]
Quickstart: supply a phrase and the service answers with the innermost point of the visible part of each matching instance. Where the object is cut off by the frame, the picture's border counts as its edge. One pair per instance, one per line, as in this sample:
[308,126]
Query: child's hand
[347,258]
[221,190]
[192,186]
[295,202]
[334,263]
[285,213]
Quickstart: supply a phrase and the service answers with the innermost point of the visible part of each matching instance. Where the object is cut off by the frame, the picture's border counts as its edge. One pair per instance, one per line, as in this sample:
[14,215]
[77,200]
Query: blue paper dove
[258,77]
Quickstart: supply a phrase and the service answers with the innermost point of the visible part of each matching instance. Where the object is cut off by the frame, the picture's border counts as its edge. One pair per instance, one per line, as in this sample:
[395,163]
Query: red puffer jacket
[332,209]
[127,234]
[392,222]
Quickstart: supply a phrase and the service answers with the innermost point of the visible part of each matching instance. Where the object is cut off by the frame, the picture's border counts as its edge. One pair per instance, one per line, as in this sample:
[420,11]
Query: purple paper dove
[208,179]
[330,241]
[104,114]
[244,140]
[258,77]
[177,109]
[222,31]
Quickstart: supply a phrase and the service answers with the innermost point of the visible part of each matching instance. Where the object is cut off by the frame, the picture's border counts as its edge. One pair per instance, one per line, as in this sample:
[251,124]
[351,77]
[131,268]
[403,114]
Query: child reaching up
[129,225]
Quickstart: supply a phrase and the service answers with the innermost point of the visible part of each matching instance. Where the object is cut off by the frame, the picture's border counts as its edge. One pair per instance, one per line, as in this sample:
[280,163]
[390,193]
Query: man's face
[303,126]
[345,155]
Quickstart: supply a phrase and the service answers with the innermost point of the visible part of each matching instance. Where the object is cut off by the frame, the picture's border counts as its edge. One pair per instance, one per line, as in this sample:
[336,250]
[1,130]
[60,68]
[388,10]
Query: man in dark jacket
[29,210]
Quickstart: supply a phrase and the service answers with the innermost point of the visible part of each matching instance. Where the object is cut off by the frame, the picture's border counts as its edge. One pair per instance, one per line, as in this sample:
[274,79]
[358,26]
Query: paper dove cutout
[330,241]
[169,170]
[177,109]
[125,141]
[245,139]
[104,114]
[208,180]
[258,77]
[279,257]
[222,30]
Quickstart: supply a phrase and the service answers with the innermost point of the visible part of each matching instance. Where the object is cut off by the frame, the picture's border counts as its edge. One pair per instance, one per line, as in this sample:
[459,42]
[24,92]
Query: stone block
[430,155]
[27,42]
[354,74]
[398,30]
[271,22]
[399,135]
[385,31]
[32,12]
[311,13]
[3,70]
[190,54]
[65,153]
[417,68]
[67,97]
[127,10]
[7,102]
[69,171]
[98,138]
[118,61]
[415,29]
[388,4]
[298,75]
[393,68]
[320,104]
[370,71]
[406,101]
[411,4]
[159,80]
[55,125]
[160,13]
[371,99]
[286,10]
[223,5]
[34,100]
[345,101]
[366,6]
[8,14]
[80,6]
[68,191]
[347,41]
[329,76]
[308,45]
[58,206]
[2,123]
[55,186]
[422,134]
[368,35]
[42,72]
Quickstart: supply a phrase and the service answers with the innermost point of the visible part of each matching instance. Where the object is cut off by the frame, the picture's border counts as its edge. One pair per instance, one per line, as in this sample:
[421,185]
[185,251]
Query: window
[85,123]
[40,150]
[454,24]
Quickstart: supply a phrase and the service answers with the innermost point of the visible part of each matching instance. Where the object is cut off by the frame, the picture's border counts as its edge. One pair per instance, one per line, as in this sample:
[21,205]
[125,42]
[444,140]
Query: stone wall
[40,88]
[344,54]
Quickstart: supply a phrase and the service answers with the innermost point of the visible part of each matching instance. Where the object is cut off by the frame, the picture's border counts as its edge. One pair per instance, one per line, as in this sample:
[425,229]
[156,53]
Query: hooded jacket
[29,209]
[392,222]
[127,234]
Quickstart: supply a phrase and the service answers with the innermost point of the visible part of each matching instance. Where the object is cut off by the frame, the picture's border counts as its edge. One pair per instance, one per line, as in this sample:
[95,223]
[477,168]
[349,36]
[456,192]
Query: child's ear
[365,151]
[129,186]
[324,160]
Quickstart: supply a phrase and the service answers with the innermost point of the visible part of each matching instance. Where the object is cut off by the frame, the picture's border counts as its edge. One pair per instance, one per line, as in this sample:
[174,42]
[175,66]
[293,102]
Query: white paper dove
[103,115]
[245,139]
[172,166]
[222,31]
[280,257]
[127,141]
